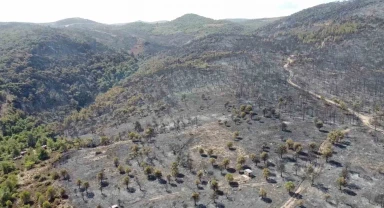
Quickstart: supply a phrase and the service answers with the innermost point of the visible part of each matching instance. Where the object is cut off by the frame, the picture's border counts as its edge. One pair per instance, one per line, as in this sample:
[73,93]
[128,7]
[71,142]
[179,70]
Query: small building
[115,206]
[44,146]
[248,172]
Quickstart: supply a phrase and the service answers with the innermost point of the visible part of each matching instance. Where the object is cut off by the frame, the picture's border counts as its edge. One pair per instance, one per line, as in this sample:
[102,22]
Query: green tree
[42,154]
[128,170]
[289,143]
[100,176]
[148,170]
[46,204]
[50,193]
[201,151]
[62,192]
[289,186]
[212,161]
[214,185]
[169,178]
[266,173]
[158,174]
[86,186]
[41,200]
[241,160]
[264,156]
[327,153]
[9,203]
[319,123]
[64,174]
[197,183]
[262,193]
[226,162]
[229,177]
[199,174]
[25,196]
[55,175]
[126,181]
[341,182]
[210,152]
[230,145]
[312,146]
[121,169]
[116,161]
[282,149]
[78,183]
[7,167]
[175,169]
[195,197]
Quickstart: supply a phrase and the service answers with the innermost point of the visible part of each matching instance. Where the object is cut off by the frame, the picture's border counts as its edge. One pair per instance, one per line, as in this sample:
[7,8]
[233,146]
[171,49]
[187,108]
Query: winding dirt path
[291,202]
[365,119]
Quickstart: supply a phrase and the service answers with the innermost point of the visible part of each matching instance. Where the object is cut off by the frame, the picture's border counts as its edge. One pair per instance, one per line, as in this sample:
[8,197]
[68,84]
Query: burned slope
[337,51]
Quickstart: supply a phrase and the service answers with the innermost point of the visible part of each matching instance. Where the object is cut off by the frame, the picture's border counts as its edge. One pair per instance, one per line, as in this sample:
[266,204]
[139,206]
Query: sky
[123,11]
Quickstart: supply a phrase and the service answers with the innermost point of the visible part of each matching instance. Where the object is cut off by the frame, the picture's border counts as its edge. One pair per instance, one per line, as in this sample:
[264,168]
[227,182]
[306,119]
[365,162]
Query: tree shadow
[324,131]
[346,143]
[302,153]
[179,181]
[340,146]
[214,156]
[173,185]
[349,192]
[201,206]
[180,175]
[270,164]
[271,180]
[220,192]
[321,187]
[200,188]
[266,149]
[232,148]
[151,178]
[162,181]
[234,184]
[287,131]
[231,170]
[289,159]
[204,183]
[220,205]
[131,190]
[266,200]
[353,186]
[203,155]
[239,138]
[335,163]
[104,184]
[297,195]
[90,195]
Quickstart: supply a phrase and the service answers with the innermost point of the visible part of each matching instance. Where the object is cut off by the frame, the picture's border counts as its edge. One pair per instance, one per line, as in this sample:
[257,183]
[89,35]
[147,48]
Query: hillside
[336,49]
[195,112]
[49,69]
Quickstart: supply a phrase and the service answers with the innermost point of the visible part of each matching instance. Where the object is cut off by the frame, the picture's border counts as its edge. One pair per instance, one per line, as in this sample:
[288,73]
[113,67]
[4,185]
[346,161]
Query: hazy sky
[120,11]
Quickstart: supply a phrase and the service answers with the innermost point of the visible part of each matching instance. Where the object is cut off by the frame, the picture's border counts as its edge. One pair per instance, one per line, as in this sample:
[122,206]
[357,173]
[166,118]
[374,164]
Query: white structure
[248,172]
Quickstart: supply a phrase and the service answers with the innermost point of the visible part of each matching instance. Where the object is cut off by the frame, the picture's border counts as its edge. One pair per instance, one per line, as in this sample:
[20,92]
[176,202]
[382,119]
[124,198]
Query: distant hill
[72,22]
